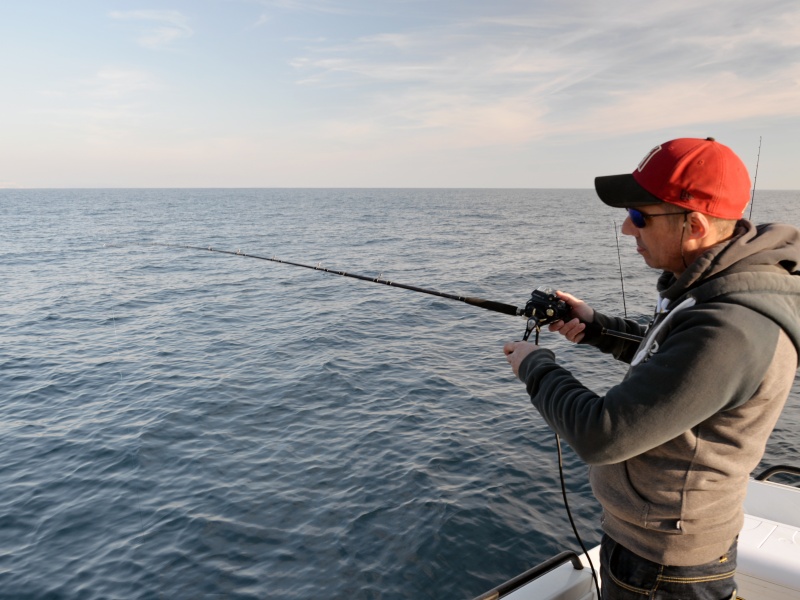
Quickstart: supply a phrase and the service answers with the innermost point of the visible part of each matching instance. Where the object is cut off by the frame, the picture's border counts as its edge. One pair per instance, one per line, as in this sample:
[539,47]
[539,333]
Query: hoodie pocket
[613,488]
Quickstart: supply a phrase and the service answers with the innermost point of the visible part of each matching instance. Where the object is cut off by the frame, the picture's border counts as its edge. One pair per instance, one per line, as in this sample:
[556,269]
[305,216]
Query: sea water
[186,424]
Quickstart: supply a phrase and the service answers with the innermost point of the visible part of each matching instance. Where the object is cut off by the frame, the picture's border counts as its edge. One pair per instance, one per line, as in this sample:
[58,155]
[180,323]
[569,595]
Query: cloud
[725,97]
[263,19]
[443,121]
[172,26]
[454,86]
[522,73]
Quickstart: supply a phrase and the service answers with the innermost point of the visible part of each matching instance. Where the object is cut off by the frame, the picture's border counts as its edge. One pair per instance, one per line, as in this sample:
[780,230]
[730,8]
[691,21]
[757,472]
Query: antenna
[755,178]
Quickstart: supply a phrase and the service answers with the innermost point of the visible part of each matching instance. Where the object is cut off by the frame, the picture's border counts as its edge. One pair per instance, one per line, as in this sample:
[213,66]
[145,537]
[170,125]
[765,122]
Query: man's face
[660,240]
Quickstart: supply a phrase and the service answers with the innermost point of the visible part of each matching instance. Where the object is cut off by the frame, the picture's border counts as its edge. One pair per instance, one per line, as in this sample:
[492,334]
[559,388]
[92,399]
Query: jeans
[627,576]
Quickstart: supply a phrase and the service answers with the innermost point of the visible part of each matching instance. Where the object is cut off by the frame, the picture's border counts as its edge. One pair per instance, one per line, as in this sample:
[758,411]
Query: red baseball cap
[698,175]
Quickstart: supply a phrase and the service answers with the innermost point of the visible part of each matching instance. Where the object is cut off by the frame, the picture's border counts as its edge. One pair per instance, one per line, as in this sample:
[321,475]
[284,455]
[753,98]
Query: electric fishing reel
[543,307]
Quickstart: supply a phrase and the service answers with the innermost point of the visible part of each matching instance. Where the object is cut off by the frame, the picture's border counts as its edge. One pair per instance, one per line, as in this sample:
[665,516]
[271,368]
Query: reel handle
[531,325]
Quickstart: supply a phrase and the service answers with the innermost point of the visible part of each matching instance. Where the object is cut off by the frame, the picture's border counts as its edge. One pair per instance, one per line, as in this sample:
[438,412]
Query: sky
[389,93]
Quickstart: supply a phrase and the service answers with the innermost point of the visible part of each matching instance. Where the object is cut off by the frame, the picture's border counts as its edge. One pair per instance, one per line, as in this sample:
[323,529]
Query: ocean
[186,424]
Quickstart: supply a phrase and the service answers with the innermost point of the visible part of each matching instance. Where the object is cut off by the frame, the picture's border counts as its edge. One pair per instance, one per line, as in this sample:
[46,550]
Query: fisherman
[671,446]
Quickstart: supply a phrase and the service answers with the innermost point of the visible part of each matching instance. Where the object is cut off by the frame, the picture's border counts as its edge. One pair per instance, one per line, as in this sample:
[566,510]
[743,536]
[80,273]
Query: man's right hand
[573,329]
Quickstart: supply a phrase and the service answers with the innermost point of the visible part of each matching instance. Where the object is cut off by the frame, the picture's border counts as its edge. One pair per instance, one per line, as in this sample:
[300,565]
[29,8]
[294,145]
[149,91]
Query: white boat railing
[533,573]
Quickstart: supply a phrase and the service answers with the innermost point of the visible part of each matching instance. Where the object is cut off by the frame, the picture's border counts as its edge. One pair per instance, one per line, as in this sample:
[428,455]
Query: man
[670,448]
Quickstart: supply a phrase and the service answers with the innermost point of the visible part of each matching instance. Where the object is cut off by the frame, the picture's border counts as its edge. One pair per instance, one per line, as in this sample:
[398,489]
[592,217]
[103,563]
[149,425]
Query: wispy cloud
[171,26]
[721,98]
[523,75]
[338,7]
[455,86]
[263,19]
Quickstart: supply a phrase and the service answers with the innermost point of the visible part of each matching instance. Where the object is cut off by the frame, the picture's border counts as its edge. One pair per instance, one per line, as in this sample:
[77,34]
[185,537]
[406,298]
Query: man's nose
[628,228]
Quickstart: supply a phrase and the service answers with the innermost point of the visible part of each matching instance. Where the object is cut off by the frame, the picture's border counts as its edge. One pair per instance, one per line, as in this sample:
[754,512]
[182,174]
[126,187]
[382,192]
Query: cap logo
[647,158]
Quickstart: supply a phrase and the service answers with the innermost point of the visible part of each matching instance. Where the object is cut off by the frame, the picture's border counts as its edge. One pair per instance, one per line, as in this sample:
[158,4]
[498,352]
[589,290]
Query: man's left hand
[516,352]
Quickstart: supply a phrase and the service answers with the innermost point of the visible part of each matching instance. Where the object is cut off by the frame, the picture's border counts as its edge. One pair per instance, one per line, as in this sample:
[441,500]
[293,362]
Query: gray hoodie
[672,445]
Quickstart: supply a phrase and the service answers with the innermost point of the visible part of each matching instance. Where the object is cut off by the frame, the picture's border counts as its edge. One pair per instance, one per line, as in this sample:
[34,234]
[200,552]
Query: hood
[759,267]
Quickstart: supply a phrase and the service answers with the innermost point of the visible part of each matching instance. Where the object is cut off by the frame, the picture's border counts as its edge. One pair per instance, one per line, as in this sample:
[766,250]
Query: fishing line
[571,521]
[566,506]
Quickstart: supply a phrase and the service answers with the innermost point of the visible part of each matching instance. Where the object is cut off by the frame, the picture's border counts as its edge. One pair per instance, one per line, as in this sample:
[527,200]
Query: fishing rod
[620,334]
[543,307]
[621,278]
[755,179]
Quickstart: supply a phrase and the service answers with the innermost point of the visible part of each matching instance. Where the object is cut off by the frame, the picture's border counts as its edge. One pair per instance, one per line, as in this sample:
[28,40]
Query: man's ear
[697,226]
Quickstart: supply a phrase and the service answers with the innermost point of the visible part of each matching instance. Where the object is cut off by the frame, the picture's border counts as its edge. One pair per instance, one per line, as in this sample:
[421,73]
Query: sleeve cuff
[533,359]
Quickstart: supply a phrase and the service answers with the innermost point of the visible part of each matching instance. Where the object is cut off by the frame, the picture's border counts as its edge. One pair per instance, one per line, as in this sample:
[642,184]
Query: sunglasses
[639,219]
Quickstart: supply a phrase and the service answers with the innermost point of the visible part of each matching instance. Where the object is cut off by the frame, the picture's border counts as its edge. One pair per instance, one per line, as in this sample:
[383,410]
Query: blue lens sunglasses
[639,219]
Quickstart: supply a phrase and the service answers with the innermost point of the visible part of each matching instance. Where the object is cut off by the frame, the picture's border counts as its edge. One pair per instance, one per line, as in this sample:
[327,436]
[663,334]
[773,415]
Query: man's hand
[516,352]
[573,329]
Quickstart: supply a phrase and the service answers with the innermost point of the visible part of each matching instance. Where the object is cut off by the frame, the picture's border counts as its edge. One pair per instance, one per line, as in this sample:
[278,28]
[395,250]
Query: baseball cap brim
[622,191]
